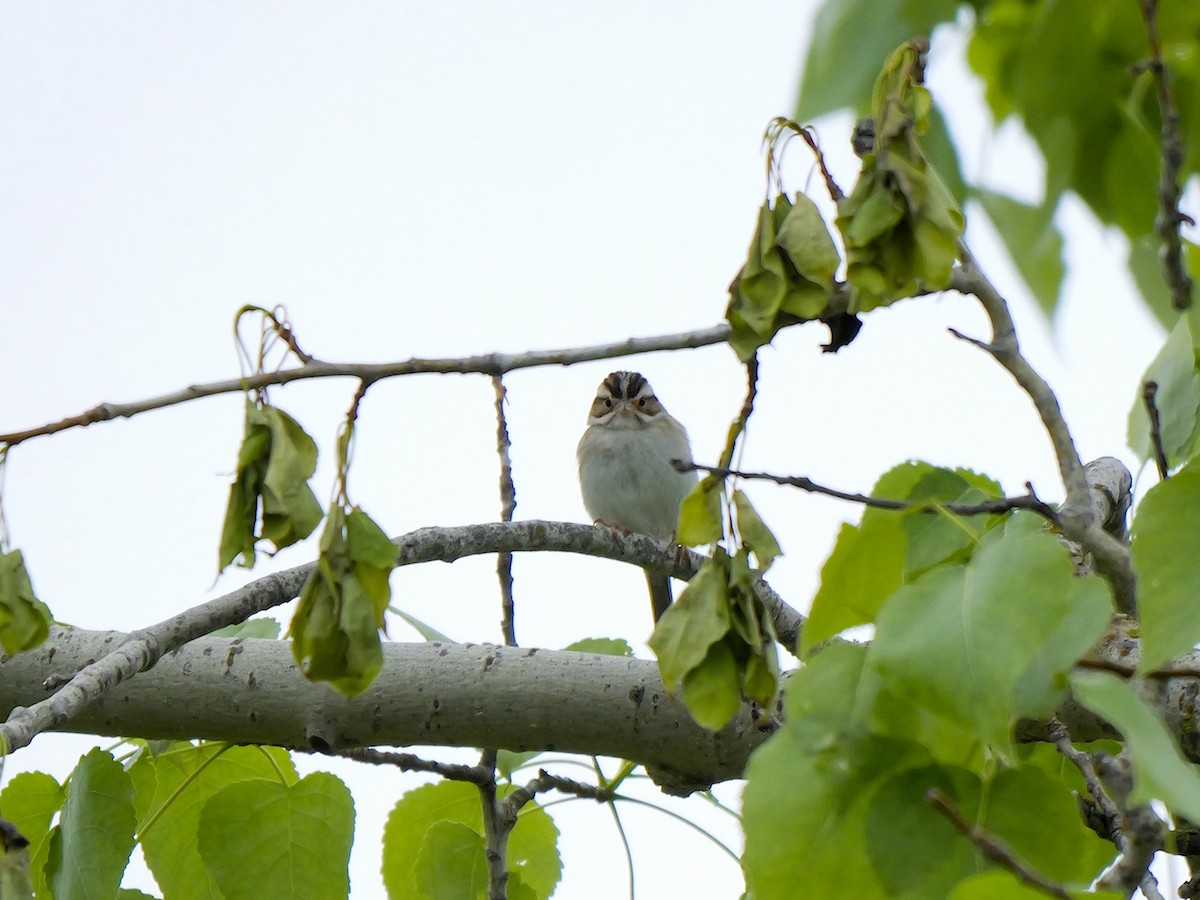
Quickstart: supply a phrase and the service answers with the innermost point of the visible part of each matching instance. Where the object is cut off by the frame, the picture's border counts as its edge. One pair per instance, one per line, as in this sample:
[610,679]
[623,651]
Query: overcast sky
[443,180]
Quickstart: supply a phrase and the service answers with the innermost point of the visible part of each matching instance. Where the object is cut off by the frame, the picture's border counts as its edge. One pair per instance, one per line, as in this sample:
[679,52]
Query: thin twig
[485,364]
[407,762]
[1170,217]
[547,782]
[1028,501]
[993,848]
[1149,397]
[508,504]
[498,822]
[1087,768]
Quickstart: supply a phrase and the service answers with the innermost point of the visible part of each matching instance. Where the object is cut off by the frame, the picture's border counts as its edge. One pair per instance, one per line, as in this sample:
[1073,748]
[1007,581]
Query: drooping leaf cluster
[270,498]
[900,226]
[716,643]
[335,631]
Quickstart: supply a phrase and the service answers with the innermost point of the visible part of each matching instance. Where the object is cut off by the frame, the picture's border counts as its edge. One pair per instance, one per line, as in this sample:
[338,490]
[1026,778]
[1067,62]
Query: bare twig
[993,848]
[498,822]
[1076,515]
[1170,217]
[486,364]
[143,648]
[508,504]
[406,762]
[1149,398]
[1028,501]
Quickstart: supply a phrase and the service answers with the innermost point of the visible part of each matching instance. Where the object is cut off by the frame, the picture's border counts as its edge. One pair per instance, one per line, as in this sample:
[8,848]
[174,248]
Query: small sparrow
[625,469]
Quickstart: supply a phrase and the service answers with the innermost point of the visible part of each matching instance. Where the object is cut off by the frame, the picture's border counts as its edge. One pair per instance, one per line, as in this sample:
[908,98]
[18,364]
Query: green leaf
[1033,243]
[754,531]
[172,789]
[335,630]
[603,646]
[532,851]
[16,881]
[1039,819]
[711,690]
[267,628]
[1168,567]
[509,761]
[99,802]
[290,511]
[1159,770]
[285,834]
[915,850]
[694,622]
[427,632]
[24,619]
[869,562]
[983,644]
[858,30]
[30,801]
[1177,399]
[1146,269]
[804,238]
[451,864]
[275,462]
[700,514]
[1000,884]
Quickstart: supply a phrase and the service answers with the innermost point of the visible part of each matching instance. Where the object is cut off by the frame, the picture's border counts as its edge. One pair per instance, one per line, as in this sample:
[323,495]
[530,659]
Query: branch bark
[82,683]
[462,695]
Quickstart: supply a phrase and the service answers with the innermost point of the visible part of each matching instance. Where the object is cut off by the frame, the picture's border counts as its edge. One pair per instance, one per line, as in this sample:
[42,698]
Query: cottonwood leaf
[335,630]
[173,786]
[99,801]
[451,864]
[24,619]
[754,531]
[1159,770]
[711,690]
[532,849]
[1168,567]
[1177,398]
[260,839]
[694,622]
[700,514]
[985,643]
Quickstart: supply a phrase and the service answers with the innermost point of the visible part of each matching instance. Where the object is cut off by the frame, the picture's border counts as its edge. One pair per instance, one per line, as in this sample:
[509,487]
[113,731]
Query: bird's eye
[607,403]
[641,403]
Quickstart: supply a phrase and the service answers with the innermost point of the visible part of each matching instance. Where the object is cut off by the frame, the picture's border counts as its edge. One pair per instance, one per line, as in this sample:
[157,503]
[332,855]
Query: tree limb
[1076,514]
[431,694]
[81,684]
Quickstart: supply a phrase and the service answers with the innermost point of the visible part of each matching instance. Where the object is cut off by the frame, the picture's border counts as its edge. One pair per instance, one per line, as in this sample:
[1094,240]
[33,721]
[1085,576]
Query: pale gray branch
[250,691]
[141,649]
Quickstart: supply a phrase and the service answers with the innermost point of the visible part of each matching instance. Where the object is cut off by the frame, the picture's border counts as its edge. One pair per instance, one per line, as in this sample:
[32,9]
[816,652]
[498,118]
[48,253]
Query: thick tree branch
[250,691]
[141,649]
[1076,514]
[485,364]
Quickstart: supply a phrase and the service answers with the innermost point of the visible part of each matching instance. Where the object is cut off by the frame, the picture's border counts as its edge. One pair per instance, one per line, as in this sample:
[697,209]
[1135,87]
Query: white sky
[441,180]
